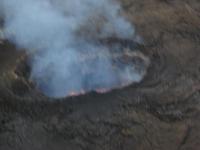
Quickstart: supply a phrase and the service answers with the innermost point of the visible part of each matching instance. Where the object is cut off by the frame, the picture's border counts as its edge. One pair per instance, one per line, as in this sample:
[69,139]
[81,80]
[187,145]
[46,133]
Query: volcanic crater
[124,53]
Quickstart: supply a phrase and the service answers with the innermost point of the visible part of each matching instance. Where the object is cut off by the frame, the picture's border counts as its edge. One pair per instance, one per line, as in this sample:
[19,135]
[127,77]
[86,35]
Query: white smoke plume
[58,33]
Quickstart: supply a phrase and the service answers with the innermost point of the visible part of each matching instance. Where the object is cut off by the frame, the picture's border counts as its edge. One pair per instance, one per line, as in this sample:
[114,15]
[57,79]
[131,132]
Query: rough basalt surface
[160,113]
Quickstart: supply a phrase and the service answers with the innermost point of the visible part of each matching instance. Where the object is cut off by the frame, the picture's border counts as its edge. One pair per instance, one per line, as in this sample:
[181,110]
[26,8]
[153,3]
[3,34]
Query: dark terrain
[160,113]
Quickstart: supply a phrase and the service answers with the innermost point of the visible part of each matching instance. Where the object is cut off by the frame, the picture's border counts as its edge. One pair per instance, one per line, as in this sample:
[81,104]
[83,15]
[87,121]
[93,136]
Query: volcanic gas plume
[62,39]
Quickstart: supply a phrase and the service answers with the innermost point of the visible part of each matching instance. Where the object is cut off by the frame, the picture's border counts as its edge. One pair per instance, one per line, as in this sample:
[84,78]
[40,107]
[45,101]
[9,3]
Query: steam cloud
[59,33]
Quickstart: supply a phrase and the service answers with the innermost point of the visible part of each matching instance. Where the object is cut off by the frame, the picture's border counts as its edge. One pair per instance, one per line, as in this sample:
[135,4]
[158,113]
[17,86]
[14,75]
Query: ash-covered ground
[160,113]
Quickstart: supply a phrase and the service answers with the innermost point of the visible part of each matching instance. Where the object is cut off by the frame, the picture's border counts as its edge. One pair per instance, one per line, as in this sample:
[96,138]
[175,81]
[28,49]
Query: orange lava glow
[82,92]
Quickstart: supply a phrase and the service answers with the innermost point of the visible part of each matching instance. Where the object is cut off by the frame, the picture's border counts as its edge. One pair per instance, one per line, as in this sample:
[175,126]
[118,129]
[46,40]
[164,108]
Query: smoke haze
[59,33]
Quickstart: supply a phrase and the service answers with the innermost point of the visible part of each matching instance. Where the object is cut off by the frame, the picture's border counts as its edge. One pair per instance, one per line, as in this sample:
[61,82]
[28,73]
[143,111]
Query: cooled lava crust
[160,113]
